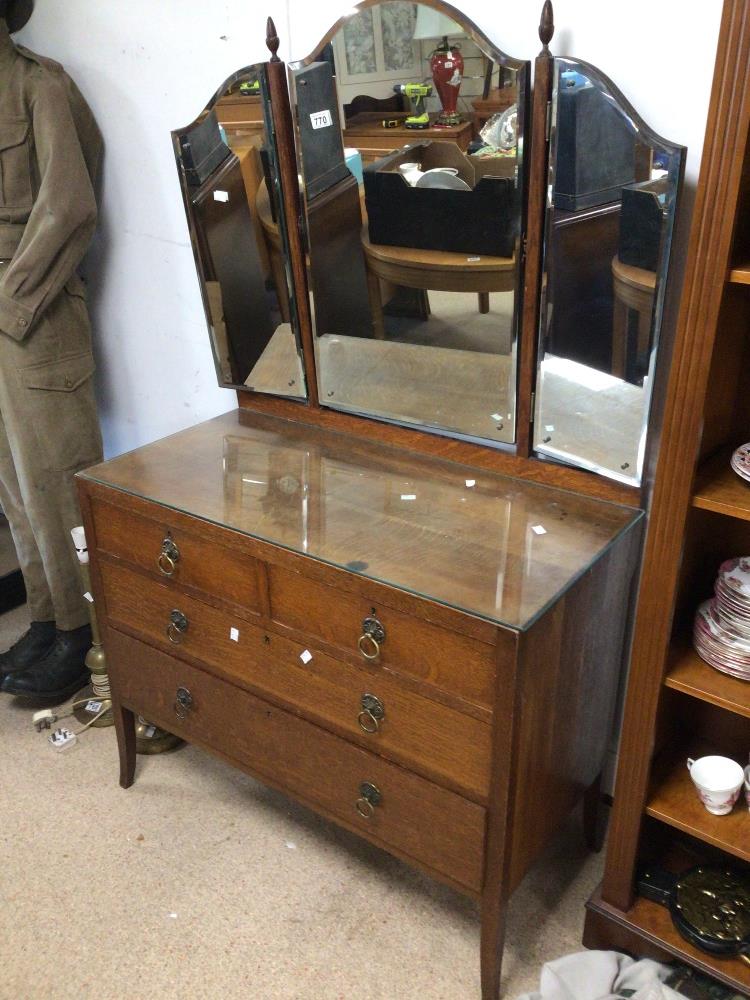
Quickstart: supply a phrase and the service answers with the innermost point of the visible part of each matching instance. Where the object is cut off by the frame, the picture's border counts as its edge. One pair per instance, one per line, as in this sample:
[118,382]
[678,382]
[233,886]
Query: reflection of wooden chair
[633,289]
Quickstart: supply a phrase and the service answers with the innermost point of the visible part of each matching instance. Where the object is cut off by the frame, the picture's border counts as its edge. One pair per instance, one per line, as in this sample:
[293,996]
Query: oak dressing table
[365,587]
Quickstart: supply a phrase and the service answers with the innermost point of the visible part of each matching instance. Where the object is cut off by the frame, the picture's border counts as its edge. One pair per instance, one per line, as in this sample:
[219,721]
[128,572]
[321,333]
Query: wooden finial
[272,39]
[547,24]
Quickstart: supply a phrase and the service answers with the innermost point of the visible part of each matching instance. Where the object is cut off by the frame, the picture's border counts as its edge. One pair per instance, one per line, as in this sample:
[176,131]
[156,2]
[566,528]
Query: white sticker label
[148,732]
[321,119]
[234,634]
[89,597]
[221,196]
[305,656]
[94,707]
[549,428]
[473,260]
[539,530]
[408,496]
[471,482]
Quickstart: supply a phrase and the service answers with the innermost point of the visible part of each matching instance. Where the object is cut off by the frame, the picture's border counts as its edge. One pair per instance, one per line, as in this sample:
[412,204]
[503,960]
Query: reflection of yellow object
[416,92]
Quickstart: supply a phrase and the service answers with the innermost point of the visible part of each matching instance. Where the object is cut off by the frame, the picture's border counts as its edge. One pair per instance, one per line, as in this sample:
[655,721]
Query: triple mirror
[411,133]
[227,162]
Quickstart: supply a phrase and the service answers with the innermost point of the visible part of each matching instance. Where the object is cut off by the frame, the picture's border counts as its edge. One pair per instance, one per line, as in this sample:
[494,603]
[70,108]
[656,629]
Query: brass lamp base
[447,119]
[150,739]
[85,696]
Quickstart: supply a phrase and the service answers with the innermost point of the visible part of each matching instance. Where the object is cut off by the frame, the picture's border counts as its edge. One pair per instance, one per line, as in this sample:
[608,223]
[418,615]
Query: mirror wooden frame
[520,461]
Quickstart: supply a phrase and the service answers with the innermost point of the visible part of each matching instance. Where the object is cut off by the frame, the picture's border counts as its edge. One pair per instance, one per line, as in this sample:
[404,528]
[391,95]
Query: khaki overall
[49,150]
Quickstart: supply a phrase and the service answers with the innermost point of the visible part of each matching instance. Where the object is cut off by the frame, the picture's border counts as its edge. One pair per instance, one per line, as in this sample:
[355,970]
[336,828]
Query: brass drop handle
[168,557]
[369,797]
[372,714]
[183,703]
[373,635]
[178,626]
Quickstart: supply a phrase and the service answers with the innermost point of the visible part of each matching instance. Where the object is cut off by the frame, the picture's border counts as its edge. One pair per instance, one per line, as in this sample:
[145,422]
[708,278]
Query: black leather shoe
[30,648]
[58,674]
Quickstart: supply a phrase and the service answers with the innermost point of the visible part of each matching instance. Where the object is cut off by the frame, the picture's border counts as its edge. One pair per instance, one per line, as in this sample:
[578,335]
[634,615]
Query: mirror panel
[414,218]
[228,167]
[612,195]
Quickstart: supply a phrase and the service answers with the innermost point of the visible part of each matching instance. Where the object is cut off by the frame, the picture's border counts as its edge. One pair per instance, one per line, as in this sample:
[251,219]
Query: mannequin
[49,151]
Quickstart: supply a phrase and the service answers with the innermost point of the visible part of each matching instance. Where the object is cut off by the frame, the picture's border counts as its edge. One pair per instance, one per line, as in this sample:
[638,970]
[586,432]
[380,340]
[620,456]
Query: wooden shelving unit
[688,674]
[677,706]
[740,275]
[673,801]
[720,489]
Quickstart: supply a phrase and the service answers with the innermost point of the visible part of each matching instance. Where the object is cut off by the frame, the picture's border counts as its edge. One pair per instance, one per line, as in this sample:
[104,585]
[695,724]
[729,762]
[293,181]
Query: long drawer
[428,737]
[413,816]
[205,567]
[454,663]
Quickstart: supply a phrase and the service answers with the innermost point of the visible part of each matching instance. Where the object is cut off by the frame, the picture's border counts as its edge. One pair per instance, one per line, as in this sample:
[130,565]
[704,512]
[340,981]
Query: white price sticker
[234,634]
[94,707]
[539,530]
[89,597]
[305,656]
[321,119]
[221,196]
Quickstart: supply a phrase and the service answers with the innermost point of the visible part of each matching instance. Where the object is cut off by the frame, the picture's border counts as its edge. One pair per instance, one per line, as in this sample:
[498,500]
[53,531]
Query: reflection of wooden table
[366,133]
[436,270]
[633,289]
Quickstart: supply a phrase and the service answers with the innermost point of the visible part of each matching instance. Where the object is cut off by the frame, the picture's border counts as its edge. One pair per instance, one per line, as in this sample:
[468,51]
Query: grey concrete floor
[200,883]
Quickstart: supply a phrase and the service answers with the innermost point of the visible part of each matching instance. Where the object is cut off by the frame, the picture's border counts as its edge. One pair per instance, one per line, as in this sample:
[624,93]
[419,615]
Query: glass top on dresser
[500,548]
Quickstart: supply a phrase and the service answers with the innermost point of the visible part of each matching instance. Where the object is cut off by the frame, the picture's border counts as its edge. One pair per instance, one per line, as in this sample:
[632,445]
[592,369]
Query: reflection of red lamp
[446,61]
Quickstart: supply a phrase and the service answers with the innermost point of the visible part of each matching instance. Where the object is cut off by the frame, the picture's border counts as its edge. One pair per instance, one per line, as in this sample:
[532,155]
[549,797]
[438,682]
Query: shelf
[720,489]
[740,275]
[689,674]
[674,801]
[647,927]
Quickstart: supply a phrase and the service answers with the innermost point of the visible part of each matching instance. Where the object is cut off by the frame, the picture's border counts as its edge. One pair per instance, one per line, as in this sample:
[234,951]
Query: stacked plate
[741,462]
[721,635]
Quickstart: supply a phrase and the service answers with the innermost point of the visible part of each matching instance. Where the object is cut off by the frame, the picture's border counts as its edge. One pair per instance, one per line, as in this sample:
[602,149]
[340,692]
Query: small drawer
[176,555]
[381,801]
[366,704]
[454,663]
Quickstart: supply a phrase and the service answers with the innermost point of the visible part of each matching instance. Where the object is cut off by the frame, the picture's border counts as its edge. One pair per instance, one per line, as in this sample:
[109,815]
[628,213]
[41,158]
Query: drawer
[428,737]
[214,570]
[414,817]
[454,663]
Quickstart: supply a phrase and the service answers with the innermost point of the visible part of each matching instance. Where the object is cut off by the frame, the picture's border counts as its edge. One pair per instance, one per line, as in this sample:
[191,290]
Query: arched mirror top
[251,75]
[645,133]
[467,26]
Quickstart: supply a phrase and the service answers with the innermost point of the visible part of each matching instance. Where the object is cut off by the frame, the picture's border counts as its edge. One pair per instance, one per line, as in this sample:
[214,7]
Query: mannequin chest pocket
[15,164]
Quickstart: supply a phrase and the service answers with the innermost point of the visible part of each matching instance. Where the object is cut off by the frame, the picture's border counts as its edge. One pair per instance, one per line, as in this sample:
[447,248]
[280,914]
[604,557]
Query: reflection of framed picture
[378,44]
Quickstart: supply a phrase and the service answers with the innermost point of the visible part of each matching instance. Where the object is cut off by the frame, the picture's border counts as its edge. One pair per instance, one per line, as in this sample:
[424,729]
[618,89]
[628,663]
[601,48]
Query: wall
[147,68]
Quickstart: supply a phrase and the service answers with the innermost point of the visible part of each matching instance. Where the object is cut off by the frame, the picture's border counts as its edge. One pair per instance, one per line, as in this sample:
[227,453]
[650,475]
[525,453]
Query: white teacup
[411,172]
[747,786]
[718,781]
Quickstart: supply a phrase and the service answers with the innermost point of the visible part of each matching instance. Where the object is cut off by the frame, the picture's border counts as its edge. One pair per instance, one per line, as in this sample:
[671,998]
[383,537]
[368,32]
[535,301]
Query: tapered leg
[493,941]
[594,816]
[125,728]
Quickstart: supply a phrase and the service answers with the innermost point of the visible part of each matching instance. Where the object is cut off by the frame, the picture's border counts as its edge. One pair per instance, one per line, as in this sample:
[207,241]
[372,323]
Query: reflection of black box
[482,221]
[596,146]
[323,163]
[203,150]
[644,210]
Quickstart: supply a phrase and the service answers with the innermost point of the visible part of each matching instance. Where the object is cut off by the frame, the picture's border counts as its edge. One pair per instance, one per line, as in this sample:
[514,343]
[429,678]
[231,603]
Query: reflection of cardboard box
[484,220]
